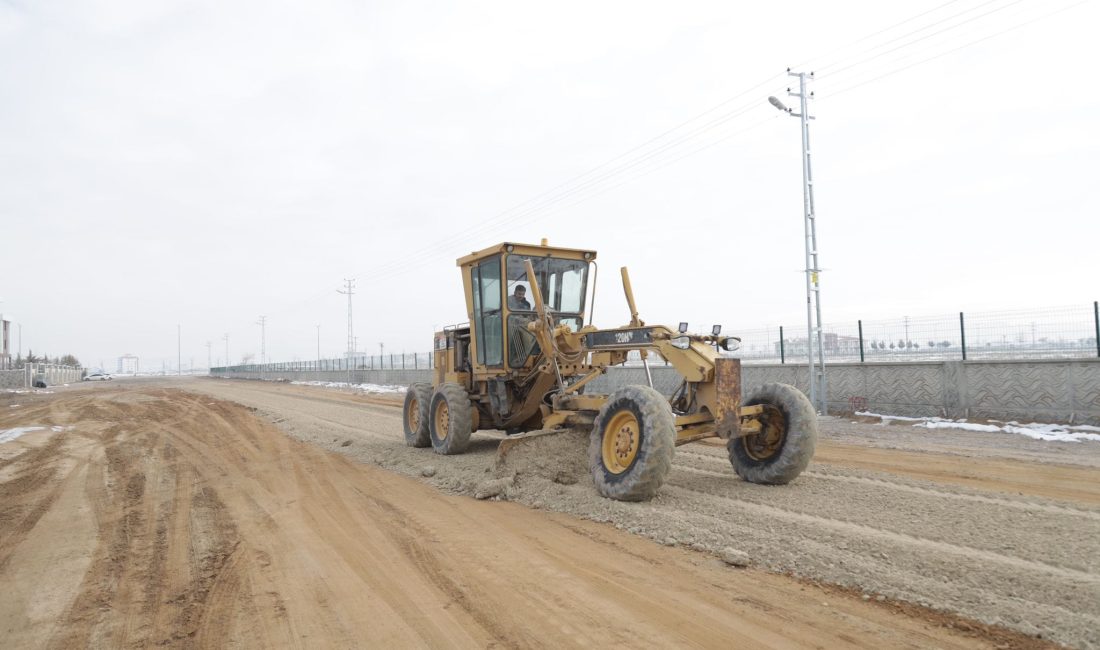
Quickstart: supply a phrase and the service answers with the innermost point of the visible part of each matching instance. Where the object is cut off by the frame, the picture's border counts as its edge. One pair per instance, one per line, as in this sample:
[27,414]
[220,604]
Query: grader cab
[525,358]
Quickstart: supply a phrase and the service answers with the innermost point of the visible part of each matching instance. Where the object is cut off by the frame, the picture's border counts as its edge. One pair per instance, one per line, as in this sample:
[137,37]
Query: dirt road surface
[151,515]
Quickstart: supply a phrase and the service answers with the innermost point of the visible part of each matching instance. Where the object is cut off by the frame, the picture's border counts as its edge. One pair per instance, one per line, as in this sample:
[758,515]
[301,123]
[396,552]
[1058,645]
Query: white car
[98,376]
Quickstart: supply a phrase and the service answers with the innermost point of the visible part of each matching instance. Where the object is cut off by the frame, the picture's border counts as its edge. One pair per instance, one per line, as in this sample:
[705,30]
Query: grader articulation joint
[523,367]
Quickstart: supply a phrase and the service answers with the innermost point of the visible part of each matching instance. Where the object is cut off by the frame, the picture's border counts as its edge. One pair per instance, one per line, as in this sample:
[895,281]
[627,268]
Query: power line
[645,159]
[550,198]
[927,36]
[805,64]
[953,50]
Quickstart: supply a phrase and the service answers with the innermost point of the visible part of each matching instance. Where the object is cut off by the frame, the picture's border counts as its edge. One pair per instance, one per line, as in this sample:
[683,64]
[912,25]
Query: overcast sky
[206,163]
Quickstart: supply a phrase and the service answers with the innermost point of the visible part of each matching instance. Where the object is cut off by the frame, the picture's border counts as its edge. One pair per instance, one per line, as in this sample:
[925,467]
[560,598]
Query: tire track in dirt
[216,529]
[1024,560]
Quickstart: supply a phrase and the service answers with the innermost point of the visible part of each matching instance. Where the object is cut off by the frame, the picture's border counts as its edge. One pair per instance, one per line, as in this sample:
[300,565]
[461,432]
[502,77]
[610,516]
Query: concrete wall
[12,379]
[382,377]
[54,375]
[1052,391]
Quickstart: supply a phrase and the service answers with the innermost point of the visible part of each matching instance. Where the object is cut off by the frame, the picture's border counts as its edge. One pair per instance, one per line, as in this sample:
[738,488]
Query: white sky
[203,163]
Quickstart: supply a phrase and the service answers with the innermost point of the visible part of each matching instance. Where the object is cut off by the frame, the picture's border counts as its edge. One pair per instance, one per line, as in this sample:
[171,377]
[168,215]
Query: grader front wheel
[633,438]
[786,441]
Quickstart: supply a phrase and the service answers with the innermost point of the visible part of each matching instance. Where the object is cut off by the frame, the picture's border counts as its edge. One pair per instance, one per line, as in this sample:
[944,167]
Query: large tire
[779,453]
[632,442]
[451,420]
[418,399]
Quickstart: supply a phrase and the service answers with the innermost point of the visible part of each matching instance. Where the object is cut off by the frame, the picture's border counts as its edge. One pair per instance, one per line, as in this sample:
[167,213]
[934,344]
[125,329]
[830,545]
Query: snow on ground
[7,435]
[1036,430]
[362,388]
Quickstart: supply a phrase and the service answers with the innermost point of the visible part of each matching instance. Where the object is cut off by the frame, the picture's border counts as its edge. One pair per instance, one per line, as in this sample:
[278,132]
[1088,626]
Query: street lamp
[813,270]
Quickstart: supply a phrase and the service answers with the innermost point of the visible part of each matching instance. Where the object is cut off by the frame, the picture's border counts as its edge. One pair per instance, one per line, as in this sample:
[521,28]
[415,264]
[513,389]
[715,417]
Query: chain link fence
[402,361]
[1055,333]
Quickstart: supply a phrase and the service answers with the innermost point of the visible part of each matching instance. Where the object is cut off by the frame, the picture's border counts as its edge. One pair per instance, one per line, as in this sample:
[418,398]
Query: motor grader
[522,366]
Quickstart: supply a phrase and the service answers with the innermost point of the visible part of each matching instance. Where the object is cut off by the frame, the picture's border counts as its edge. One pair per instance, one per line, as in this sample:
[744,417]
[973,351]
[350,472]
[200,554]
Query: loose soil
[168,517]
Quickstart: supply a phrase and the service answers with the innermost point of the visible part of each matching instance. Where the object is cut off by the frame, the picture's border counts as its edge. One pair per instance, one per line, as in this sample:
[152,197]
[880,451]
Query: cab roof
[533,250]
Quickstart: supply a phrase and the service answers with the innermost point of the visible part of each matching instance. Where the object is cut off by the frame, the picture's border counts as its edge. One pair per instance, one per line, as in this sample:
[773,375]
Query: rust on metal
[727,416]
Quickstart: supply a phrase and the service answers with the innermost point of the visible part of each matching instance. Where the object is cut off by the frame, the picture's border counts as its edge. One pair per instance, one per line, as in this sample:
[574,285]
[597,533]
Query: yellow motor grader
[523,361]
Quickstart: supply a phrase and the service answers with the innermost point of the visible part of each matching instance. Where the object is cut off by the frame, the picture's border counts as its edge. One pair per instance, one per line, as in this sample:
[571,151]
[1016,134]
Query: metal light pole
[818,394]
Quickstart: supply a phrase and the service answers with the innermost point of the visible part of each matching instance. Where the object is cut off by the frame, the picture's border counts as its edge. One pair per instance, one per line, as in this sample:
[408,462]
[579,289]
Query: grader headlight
[731,343]
[681,342]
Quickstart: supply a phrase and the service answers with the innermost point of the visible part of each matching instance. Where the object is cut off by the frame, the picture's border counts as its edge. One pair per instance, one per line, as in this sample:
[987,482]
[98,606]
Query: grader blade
[511,442]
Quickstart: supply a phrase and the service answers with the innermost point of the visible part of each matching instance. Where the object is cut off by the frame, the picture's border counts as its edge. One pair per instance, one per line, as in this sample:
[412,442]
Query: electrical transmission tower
[263,343]
[349,291]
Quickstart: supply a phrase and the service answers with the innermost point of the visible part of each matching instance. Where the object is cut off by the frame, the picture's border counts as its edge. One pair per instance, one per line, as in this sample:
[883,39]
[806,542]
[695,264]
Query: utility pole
[818,394]
[263,343]
[226,337]
[179,356]
[209,365]
[318,342]
[349,291]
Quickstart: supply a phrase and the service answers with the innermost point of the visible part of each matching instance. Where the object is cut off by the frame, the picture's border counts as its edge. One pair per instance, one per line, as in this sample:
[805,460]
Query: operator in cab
[518,300]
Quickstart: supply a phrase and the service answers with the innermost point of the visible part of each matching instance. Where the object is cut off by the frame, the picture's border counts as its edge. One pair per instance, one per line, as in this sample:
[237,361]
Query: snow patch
[362,388]
[1035,430]
[7,435]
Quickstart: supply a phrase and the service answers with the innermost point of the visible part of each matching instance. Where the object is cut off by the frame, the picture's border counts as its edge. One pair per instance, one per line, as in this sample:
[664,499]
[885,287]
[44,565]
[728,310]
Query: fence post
[782,351]
[861,341]
[402,360]
[1096,323]
[962,331]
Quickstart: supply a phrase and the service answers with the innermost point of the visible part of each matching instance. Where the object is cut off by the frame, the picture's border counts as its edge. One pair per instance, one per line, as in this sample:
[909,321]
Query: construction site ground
[212,513]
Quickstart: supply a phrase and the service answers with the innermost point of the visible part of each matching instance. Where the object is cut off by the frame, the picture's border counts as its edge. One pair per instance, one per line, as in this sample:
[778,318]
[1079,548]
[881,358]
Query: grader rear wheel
[786,441]
[631,446]
[450,420]
[415,415]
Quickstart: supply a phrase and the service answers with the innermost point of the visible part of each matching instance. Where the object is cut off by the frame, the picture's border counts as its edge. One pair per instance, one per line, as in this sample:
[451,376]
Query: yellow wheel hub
[412,414]
[769,442]
[621,439]
[442,421]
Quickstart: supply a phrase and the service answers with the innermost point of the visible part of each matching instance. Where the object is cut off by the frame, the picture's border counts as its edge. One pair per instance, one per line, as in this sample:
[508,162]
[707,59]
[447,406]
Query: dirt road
[155,516]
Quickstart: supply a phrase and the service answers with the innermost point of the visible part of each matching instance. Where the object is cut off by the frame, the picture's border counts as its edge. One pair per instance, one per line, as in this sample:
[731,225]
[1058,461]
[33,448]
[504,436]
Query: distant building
[127,365]
[834,344]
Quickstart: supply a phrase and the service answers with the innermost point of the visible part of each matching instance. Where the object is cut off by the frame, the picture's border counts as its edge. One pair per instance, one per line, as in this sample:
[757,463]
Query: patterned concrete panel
[754,376]
[1051,391]
[1018,387]
[1085,380]
[12,379]
[914,384]
[844,382]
